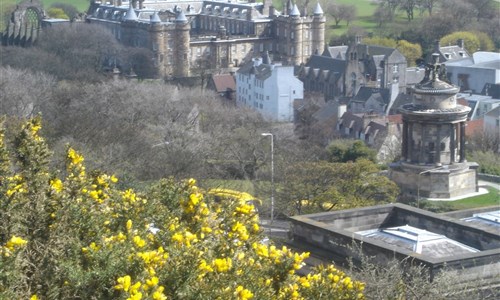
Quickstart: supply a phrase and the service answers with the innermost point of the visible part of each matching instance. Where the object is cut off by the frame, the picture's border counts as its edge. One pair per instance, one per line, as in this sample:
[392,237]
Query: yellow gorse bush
[172,241]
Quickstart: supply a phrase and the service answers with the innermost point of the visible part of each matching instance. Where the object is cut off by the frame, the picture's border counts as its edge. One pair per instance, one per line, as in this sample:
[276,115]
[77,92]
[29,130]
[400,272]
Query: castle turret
[182,38]
[318,30]
[296,30]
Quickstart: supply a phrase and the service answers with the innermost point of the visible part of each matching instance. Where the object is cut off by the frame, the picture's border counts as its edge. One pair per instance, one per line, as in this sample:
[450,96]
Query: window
[292,35]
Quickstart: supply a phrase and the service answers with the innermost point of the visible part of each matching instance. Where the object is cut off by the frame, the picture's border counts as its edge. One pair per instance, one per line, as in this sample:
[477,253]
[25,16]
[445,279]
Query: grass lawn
[6,7]
[490,199]
[81,5]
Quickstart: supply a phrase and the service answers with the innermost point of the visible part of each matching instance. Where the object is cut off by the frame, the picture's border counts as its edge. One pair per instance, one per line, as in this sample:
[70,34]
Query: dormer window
[461,54]
[447,55]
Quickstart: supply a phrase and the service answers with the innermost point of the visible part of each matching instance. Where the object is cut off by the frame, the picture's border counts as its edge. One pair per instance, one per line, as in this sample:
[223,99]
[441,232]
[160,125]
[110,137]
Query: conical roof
[131,15]
[155,19]
[318,10]
[295,11]
[181,17]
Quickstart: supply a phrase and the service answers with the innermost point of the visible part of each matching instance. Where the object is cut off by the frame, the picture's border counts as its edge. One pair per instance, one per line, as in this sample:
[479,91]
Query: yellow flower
[139,242]
[56,185]
[123,283]
[74,156]
[158,294]
[114,179]
[15,242]
[222,264]
[136,296]
[34,297]
[153,281]
[129,225]
[243,294]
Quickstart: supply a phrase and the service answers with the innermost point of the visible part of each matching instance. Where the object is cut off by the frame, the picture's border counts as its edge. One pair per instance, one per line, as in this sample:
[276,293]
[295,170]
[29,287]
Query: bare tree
[341,12]
[16,99]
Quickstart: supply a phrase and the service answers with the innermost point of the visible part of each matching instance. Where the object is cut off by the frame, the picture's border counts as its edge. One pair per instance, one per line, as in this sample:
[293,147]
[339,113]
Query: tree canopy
[323,186]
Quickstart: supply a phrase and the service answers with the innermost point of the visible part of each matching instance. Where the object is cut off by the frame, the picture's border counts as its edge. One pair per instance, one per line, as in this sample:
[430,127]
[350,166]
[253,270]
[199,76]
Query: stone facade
[433,160]
[190,37]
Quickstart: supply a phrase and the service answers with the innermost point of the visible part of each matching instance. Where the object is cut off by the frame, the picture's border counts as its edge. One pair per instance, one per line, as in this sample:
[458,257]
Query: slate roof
[453,52]
[326,63]
[374,50]
[494,113]
[401,100]
[262,71]
[336,52]
[414,75]
[366,93]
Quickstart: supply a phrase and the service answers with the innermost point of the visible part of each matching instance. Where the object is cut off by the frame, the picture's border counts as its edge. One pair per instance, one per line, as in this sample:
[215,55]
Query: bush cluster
[74,233]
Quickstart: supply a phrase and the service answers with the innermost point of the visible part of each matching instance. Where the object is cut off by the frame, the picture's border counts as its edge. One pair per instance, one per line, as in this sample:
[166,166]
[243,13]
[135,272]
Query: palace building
[191,37]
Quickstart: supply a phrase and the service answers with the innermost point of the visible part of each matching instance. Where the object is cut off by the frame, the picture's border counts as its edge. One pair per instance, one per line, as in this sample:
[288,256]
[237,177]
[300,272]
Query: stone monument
[433,163]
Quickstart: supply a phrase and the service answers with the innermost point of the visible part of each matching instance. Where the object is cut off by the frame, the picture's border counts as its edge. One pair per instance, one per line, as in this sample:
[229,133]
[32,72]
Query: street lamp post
[418,182]
[272,174]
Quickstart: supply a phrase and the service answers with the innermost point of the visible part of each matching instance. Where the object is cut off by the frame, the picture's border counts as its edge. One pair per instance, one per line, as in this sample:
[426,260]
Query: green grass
[490,199]
[6,7]
[81,5]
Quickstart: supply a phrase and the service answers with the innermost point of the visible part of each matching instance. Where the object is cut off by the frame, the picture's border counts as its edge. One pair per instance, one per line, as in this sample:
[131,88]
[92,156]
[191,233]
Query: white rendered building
[268,88]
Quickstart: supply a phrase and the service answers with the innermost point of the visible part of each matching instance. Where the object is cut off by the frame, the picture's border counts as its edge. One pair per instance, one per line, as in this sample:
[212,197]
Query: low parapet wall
[335,232]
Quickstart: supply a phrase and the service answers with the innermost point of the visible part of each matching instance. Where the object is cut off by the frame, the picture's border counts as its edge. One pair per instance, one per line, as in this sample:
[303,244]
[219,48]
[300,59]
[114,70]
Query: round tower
[295,38]
[433,160]
[181,52]
[318,30]
[157,40]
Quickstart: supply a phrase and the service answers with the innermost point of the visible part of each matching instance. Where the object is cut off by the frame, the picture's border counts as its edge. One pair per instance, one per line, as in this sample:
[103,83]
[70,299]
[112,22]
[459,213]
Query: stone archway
[24,24]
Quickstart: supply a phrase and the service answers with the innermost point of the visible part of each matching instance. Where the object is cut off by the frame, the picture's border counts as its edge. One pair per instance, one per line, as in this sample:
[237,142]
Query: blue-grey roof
[327,63]
[181,17]
[131,15]
[295,11]
[318,10]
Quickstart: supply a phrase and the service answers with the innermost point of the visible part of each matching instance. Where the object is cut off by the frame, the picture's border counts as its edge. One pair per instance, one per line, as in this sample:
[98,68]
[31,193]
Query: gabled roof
[401,100]
[494,113]
[261,71]
[374,50]
[350,120]
[336,52]
[453,52]
[366,93]
[326,63]
[223,82]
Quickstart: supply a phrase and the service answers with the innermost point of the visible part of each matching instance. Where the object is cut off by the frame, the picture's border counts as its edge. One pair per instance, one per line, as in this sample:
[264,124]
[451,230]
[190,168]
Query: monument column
[404,146]
[452,144]
[462,142]
[421,155]
[437,159]
[410,143]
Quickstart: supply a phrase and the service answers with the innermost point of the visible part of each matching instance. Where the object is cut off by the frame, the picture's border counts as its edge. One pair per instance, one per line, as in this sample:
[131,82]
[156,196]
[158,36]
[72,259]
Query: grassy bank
[490,199]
